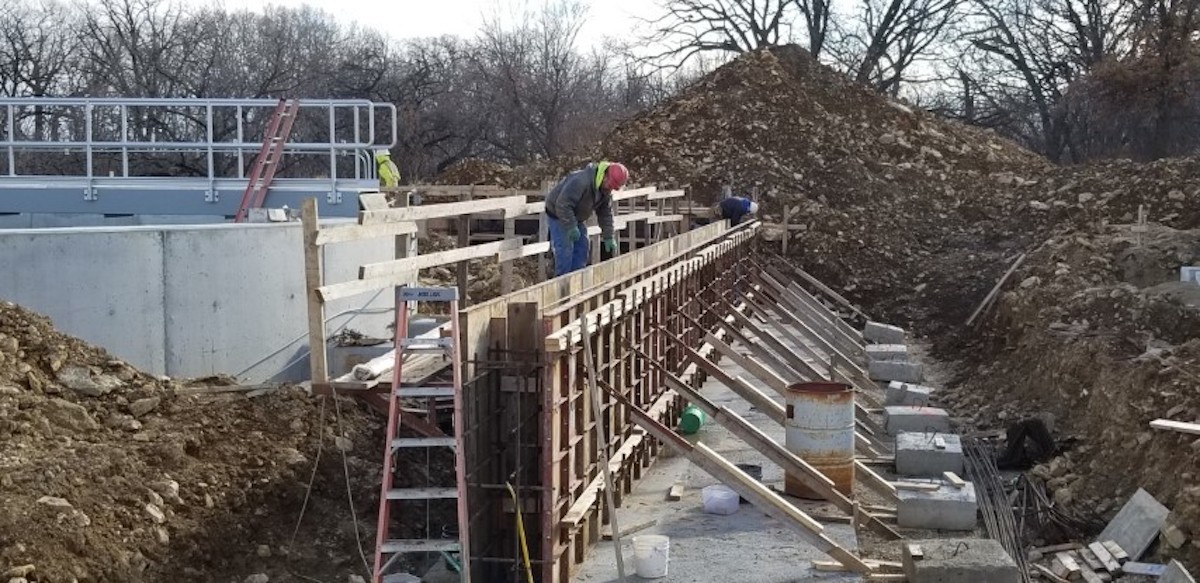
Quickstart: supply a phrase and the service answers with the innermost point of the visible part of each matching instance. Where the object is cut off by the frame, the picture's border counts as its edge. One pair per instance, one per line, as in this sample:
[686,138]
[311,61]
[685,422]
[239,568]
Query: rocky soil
[111,475]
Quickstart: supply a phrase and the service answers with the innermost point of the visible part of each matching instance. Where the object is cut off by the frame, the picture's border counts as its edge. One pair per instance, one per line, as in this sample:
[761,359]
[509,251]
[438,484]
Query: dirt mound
[108,474]
[476,171]
[1098,330]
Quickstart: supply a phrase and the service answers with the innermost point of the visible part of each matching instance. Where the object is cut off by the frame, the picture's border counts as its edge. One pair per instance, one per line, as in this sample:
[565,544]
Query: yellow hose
[521,533]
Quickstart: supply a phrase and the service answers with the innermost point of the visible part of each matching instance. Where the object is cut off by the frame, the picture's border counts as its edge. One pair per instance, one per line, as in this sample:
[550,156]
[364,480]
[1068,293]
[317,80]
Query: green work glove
[573,234]
[610,245]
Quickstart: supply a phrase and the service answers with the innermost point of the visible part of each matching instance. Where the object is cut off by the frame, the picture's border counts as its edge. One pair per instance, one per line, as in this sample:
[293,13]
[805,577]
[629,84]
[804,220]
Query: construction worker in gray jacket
[572,202]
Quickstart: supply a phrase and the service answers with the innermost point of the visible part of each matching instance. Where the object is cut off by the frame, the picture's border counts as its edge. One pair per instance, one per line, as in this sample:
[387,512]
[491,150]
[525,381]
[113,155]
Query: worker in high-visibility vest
[389,175]
[572,202]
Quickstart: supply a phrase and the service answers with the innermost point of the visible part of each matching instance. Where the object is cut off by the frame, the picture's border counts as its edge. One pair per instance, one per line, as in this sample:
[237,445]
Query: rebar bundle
[994,502]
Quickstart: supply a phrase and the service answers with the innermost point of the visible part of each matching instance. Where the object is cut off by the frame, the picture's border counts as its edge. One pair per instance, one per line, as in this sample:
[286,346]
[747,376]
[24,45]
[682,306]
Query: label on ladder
[429,294]
[426,344]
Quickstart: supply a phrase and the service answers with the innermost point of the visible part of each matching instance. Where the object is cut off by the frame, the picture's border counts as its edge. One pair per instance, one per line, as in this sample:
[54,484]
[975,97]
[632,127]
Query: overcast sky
[425,18]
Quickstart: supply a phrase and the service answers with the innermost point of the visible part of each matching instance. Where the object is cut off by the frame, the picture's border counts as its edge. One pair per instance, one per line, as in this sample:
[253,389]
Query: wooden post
[543,235]
[464,240]
[506,267]
[313,279]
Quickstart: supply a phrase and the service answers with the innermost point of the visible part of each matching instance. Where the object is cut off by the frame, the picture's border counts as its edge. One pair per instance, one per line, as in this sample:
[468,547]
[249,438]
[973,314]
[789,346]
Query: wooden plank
[829,292]
[987,300]
[410,264]
[1168,425]
[675,494]
[355,232]
[606,534]
[1105,557]
[506,205]
[753,490]
[760,371]
[1147,569]
[665,194]
[916,486]
[1068,562]
[1048,573]
[1090,576]
[664,219]
[394,272]
[1118,554]
[915,551]
[875,482]
[1090,560]
[954,480]
[633,193]
[313,275]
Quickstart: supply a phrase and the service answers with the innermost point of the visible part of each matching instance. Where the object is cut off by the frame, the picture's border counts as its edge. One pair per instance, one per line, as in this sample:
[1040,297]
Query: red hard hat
[616,176]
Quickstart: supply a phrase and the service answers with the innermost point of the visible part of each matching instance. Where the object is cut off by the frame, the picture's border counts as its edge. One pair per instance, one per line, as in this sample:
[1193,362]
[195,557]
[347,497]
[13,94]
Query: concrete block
[883,333]
[895,370]
[880,333]
[915,419]
[898,393]
[887,352]
[917,454]
[947,508]
[1137,524]
[1176,573]
[959,561]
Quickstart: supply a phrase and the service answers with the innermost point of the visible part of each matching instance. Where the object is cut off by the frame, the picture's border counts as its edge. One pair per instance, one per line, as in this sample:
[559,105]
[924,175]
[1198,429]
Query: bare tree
[817,15]
[691,27]
[1026,53]
[886,37]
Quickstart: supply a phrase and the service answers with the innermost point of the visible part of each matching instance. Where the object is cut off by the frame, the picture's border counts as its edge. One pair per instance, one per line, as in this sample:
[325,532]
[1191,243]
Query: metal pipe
[124,137]
[12,157]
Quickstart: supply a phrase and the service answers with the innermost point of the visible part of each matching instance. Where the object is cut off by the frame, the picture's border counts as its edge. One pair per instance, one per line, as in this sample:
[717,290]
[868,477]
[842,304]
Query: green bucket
[691,420]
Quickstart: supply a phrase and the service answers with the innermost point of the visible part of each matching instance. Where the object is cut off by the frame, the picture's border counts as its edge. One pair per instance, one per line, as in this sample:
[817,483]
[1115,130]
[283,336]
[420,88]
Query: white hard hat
[753,207]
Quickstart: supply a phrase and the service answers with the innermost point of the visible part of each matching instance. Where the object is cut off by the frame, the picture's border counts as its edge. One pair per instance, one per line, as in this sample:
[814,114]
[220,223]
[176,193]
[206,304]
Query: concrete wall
[188,301]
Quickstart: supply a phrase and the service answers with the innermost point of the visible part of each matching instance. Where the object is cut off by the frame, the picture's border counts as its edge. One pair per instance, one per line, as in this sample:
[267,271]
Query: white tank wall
[186,301]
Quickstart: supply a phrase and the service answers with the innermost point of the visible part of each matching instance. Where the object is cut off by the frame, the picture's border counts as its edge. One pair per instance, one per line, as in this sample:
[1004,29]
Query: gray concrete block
[947,508]
[1176,573]
[1137,524]
[887,352]
[915,419]
[959,561]
[917,454]
[883,333]
[900,393]
[895,370]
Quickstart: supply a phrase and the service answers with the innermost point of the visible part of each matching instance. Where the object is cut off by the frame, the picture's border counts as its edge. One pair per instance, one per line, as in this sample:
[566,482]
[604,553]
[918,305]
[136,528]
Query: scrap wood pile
[110,474]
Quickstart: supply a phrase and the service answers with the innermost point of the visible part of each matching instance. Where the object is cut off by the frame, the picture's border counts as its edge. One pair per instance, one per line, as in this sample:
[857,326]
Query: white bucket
[719,499]
[650,555]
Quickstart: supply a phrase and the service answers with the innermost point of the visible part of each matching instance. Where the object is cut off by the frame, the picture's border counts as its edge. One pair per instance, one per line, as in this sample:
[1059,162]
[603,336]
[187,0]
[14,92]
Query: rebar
[994,503]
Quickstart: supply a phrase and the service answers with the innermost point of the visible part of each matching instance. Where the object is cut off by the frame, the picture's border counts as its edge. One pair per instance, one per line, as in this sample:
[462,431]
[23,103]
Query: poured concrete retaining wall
[187,301]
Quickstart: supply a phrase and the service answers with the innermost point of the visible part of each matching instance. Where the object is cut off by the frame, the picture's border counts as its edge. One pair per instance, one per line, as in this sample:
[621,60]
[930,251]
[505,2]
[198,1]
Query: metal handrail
[82,120]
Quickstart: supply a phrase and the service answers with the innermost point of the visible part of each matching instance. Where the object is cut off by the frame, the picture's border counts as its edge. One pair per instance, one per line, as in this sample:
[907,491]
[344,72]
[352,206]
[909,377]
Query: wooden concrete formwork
[625,301]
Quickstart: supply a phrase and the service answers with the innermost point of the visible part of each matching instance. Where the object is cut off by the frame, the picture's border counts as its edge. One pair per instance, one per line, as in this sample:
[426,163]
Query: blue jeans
[568,257]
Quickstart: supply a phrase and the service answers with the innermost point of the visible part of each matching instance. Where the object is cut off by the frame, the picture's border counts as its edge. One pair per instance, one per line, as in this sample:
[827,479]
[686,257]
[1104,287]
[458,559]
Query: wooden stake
[602,449]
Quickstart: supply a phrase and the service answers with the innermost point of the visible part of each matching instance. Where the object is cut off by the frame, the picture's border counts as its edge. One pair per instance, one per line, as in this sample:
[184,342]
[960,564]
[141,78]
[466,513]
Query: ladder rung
[414,392]
[422,493]
[420,546]
[407,442]
[429,294]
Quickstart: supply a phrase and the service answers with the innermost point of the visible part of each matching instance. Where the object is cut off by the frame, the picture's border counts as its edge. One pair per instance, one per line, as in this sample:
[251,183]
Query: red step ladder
[267,161]
[387,548]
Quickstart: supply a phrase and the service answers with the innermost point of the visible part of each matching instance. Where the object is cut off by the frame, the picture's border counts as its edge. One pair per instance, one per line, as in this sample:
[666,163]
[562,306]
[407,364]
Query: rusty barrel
[820,430]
